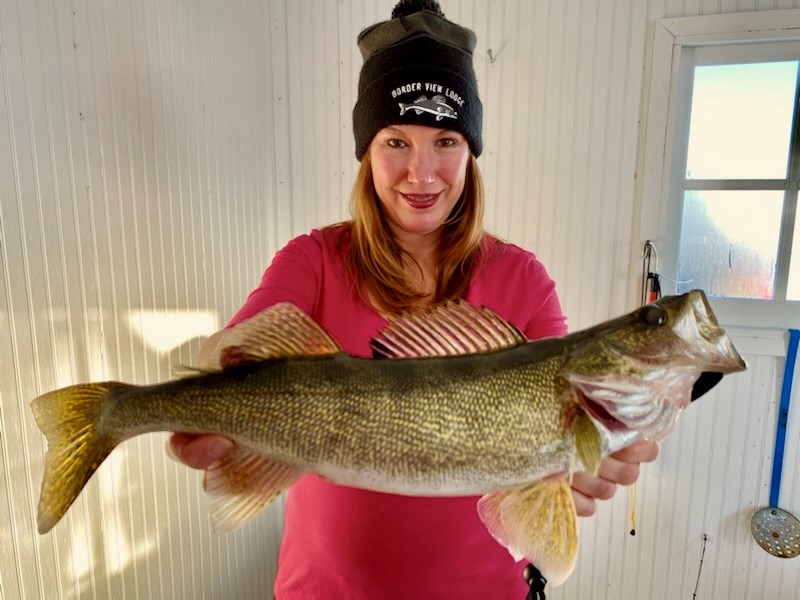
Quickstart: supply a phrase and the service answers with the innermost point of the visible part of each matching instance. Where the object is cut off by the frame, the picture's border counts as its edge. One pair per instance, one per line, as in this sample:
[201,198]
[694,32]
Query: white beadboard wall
[154,154]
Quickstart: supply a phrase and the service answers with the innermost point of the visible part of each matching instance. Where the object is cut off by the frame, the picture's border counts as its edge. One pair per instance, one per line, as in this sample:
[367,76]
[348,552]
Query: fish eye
[653,314]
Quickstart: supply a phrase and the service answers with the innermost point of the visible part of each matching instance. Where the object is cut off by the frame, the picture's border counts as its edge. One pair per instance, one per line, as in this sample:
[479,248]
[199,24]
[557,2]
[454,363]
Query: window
[734,172]
[727,187]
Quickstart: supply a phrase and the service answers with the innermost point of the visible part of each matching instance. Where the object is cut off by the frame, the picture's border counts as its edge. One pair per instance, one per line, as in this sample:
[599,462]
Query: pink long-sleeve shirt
[349,543]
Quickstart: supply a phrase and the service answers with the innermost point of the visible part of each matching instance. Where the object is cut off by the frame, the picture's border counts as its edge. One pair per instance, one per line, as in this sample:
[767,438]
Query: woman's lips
[421,200]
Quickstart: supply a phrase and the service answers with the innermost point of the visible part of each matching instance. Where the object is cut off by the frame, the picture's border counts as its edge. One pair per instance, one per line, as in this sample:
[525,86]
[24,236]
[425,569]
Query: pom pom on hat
[417,70]
[409,7]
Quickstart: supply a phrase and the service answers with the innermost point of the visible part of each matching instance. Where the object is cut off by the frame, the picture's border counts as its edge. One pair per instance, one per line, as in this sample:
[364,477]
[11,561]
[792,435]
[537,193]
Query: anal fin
[242,484]
[537,522]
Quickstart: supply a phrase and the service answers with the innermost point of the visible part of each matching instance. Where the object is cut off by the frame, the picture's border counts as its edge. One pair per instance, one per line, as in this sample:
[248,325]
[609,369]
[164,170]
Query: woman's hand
[199,451]
[621,468]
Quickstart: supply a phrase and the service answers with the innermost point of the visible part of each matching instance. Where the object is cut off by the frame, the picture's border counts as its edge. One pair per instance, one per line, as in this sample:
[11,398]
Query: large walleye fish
[465,406]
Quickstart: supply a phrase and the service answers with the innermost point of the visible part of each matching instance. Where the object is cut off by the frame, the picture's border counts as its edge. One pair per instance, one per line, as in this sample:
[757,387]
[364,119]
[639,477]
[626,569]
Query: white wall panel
[154,155]
[132,143]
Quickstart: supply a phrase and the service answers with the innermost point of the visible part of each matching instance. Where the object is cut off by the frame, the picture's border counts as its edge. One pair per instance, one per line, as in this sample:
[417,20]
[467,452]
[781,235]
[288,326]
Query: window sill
[764,341]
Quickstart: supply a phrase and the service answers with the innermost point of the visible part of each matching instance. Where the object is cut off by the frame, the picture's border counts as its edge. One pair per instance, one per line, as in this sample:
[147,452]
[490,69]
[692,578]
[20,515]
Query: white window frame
[669,40]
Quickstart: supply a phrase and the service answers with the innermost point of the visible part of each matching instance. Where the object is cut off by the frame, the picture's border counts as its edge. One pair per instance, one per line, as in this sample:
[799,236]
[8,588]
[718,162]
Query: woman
[416,239]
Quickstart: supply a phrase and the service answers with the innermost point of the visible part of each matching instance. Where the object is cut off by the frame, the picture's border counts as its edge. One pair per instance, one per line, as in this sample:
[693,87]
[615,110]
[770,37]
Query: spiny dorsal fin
[451,329]
[279,331]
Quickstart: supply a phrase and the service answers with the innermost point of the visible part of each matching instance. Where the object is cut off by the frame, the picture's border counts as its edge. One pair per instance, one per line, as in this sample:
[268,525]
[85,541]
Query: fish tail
[75,446]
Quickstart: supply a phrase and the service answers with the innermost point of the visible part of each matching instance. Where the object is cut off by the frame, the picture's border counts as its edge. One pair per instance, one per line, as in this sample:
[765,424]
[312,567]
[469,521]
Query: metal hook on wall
[494,54]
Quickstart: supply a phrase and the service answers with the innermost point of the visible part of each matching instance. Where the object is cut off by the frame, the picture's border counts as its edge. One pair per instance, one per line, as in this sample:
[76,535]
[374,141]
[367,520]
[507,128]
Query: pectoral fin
[537,522]
[587,443]
[242,484]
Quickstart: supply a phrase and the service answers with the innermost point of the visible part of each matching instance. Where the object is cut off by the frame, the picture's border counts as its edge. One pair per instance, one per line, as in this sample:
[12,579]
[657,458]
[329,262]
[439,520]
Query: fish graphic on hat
[437,105]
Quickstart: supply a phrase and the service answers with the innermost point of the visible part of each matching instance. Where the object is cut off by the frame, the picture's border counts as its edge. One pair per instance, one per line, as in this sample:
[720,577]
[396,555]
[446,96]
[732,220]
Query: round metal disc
[777,532]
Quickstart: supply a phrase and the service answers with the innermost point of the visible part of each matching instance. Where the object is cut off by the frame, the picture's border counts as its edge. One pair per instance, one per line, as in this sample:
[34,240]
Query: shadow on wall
[150,535]
[164,331]
[140,527]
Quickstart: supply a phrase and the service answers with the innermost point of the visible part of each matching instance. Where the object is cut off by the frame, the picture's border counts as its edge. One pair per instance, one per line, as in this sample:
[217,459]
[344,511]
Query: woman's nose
[421,167]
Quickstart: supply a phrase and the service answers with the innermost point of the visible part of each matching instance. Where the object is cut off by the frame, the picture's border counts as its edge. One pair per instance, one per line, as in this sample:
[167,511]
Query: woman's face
[419,175]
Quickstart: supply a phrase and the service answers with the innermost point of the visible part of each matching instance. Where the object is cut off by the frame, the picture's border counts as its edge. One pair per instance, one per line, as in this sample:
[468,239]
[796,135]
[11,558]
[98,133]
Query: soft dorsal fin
[279,331]
[450,329]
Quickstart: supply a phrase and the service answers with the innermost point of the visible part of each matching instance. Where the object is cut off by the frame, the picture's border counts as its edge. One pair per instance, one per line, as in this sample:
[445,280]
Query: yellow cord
[632,501]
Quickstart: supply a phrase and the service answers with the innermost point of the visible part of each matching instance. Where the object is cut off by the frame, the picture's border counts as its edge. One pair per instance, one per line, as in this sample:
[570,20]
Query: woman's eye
[395,143]
[447,142]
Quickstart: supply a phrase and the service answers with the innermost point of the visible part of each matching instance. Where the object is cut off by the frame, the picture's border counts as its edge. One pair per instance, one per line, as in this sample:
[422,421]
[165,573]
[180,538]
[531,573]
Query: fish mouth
[704,383]
[643,383]
[648,403]
[598,411]
[600,414]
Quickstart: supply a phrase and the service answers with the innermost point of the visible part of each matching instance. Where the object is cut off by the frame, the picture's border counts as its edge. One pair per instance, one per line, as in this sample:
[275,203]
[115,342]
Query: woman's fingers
[198,451]
[638,452]
[621,468]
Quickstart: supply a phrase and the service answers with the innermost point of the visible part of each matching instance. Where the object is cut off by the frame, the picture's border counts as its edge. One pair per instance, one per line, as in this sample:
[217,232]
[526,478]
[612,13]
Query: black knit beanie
[418,71]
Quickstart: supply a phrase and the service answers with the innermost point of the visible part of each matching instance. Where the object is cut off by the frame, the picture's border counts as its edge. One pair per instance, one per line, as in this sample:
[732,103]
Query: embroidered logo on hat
[437,105]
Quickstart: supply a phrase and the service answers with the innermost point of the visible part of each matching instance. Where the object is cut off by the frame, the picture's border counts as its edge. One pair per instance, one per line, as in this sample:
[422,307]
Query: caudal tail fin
[75,447]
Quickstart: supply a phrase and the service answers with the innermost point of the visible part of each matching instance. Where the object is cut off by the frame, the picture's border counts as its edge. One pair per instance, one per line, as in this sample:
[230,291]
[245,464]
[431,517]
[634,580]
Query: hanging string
[702,554]
[651,291]
[675,281]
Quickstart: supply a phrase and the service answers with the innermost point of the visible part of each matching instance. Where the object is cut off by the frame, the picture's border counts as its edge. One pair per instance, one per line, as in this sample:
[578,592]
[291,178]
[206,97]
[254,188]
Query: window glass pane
[729,242]
[741,121]
[793,288]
